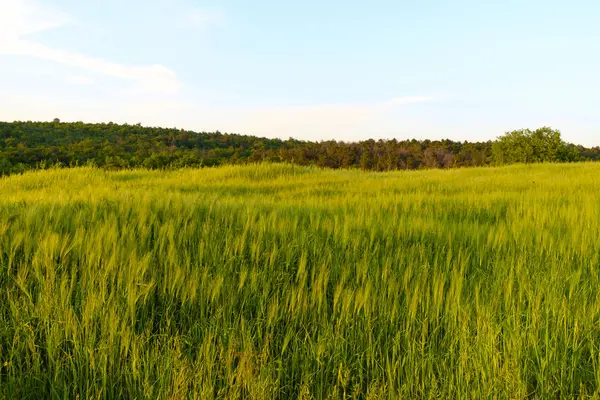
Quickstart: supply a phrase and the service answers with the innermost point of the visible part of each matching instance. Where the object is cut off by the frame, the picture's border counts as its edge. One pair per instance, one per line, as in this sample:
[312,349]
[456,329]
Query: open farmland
[274,281]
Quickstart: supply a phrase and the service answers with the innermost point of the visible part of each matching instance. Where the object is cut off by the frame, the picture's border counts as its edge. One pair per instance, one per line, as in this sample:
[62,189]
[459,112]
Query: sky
[312,69]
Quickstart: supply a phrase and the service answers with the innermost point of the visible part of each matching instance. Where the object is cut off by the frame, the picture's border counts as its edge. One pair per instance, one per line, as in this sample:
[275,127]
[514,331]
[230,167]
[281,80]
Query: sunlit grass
[274,281]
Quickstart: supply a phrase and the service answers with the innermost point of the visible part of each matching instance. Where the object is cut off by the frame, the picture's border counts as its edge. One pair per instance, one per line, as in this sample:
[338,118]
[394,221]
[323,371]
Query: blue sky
[315,70]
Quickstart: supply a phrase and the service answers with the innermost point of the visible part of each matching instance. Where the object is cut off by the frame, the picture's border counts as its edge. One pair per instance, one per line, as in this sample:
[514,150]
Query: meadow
[282,282]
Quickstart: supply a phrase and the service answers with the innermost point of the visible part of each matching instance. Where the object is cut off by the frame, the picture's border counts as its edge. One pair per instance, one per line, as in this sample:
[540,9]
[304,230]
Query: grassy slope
[282,282]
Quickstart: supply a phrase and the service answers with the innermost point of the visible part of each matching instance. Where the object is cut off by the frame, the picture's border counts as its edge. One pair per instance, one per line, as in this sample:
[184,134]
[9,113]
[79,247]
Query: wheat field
[283,282]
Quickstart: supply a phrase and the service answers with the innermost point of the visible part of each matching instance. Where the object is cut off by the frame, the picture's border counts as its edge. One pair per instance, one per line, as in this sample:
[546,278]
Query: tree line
[38,145]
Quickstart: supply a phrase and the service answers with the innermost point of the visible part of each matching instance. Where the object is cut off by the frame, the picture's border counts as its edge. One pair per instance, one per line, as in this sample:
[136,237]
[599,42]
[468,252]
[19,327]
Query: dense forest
[39,145]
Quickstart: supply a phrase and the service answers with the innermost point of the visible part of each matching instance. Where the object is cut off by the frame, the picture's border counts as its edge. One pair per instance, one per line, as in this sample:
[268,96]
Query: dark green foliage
[39,145]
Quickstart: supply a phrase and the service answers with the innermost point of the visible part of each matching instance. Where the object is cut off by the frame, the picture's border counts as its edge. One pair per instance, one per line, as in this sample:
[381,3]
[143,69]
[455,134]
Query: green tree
[367,159]
[525,146]
[5,166]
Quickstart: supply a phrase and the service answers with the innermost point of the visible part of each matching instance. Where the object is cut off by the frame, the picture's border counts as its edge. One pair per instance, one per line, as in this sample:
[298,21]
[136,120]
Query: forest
[41,145]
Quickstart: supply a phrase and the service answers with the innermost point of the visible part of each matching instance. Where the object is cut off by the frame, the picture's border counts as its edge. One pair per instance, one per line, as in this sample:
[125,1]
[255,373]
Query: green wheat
[283,282]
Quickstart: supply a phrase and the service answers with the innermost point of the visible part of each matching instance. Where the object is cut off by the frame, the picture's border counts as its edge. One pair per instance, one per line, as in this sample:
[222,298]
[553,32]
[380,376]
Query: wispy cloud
[20,18]
[155,78]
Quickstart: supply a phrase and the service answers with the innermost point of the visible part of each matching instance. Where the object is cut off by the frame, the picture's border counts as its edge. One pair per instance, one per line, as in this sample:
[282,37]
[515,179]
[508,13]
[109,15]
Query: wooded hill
[32,145]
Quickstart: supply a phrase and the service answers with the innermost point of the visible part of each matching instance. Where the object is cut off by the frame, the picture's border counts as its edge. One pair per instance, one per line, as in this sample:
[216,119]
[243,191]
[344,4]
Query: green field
[281,282]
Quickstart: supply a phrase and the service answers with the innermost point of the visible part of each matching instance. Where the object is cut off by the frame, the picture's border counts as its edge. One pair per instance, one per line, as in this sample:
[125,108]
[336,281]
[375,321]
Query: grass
[280,282]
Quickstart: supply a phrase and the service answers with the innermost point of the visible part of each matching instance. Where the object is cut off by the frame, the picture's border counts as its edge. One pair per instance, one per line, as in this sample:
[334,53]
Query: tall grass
[279,282]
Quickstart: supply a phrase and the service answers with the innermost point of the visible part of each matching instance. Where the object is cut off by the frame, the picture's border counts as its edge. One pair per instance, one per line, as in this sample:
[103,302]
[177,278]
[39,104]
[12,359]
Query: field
[280,282]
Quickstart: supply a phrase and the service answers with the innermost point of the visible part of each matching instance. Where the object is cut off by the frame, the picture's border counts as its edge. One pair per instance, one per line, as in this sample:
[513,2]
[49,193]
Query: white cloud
[156,78]
[19,18]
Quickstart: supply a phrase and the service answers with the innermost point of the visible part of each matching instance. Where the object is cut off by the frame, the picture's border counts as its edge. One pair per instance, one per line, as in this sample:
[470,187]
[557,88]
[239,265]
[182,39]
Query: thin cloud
[156,78]
[20,18]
